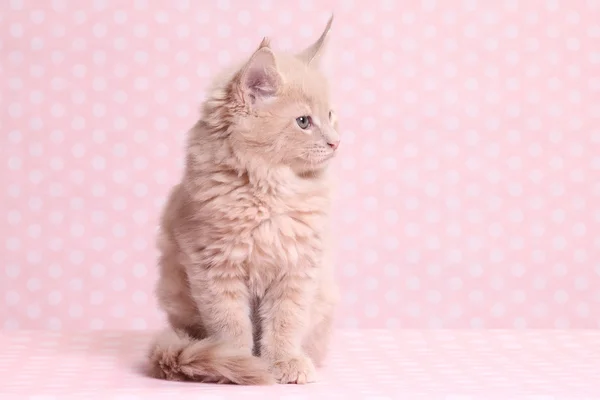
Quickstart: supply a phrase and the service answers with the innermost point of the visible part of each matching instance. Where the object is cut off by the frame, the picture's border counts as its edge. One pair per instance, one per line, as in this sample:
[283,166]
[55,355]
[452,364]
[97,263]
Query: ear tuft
[266,42]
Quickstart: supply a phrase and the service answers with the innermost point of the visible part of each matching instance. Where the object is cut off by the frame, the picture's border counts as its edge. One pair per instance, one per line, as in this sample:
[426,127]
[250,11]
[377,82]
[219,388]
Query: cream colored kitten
[245,275]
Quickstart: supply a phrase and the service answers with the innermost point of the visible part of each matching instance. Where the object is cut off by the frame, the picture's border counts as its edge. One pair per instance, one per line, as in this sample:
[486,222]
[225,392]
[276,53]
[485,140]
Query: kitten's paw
[298,370]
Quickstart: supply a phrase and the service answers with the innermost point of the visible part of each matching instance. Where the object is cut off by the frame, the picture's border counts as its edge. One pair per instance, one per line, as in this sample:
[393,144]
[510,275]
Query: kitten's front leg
[223,302]
[284,313]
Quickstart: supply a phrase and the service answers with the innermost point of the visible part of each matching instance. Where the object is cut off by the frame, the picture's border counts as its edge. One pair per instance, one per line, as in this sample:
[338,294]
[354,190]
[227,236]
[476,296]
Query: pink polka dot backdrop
[469,169]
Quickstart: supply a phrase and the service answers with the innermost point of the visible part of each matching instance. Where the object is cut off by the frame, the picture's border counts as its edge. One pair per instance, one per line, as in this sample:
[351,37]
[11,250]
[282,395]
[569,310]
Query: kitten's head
[282,111]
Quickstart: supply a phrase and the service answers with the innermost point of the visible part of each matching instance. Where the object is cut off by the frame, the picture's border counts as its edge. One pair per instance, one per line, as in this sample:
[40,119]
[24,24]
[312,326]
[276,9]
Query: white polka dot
[119,256]
[477,323]
[96,324]
[433,270]
[391,242]
[76,284]
[96,297]
[581,283]
[583,310]
[140,216]
[392,270]
[15,163]
[76,257]
[371,310]
[34,284]
[139,324]
[13,243]
[34,311]
[580,256]
[55,270]
[498,310]
[98,270]
[12,271]
[519,323]
[75,310]
[561,323]
[54,297]
[370,257]
[140,190]
[579,229]
[11,298]
[391,217]
[496,256]
[348,163]
[118,284]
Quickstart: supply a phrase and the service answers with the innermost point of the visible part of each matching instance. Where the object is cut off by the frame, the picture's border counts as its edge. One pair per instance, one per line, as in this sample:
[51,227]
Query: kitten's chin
[303,167]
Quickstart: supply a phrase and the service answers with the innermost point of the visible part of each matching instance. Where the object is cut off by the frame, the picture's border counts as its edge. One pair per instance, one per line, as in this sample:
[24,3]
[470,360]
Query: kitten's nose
[334,144]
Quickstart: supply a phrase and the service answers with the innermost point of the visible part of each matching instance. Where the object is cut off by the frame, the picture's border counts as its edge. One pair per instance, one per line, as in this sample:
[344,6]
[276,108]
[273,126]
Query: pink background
[469,192]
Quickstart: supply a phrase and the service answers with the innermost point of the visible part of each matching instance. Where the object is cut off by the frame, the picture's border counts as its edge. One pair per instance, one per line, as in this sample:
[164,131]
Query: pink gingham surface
[364,364]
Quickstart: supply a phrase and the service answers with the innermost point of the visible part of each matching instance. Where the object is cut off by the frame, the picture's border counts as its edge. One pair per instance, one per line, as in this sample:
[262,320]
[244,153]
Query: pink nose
[334,145]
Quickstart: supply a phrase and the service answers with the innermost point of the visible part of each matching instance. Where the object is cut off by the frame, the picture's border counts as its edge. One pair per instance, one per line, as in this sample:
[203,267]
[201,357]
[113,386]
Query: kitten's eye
[330,115]
[303,122]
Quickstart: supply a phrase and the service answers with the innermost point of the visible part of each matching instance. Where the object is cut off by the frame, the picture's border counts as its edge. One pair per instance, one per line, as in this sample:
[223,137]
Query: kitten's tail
[176,356]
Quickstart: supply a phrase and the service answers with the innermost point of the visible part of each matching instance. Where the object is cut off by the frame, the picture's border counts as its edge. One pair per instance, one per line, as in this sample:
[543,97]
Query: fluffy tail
[176,356]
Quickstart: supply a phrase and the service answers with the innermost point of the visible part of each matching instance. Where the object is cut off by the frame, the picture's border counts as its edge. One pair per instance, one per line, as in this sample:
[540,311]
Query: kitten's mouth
[323,160]
[317,162]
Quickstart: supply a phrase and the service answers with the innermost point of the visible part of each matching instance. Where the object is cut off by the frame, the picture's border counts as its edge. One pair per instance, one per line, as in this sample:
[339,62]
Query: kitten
[245,274]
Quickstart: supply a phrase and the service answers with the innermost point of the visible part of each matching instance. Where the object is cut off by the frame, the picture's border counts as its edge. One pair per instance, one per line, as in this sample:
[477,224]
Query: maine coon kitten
[245,277]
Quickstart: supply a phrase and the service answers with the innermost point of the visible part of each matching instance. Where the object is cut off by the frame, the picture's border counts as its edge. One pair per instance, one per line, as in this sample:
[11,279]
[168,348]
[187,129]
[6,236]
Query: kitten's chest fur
[261,229]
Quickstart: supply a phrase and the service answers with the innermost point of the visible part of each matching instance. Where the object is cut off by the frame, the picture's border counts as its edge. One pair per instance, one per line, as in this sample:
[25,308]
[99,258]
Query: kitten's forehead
[303,80]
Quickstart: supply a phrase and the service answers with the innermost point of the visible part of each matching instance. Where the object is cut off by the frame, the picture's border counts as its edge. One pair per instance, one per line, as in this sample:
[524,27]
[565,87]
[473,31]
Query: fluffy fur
[245,274]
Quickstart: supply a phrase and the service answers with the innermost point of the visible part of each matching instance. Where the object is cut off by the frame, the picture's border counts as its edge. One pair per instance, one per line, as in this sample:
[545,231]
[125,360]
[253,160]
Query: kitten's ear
[259,78]
[313,53]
